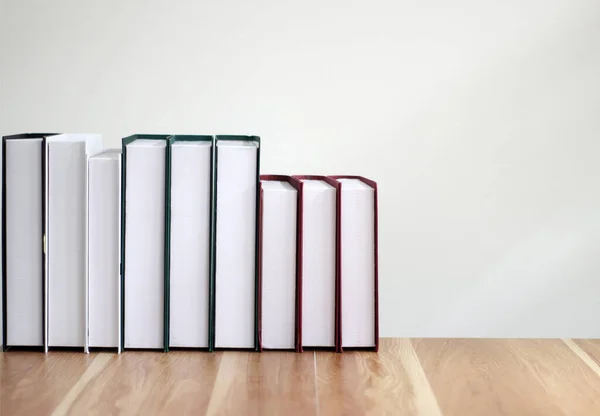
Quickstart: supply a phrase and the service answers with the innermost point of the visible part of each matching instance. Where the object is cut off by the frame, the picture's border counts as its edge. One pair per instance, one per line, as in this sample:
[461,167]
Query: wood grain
[271,383]
[508,377]
[391,382]
[97,365]
[150,383]
[590,347]
[33,383]
[408,377]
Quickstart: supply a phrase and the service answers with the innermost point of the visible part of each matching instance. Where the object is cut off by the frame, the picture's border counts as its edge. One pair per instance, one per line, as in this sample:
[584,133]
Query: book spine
[376,258]
[4,311]
[45,293]
[259,249]
[338,266]
[257,291]
[299,244]
[167,252]
[123,221]
[213,251]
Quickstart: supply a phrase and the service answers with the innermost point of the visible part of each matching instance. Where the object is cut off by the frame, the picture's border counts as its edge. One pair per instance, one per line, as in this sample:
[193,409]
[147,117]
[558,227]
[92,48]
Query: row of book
[178,242]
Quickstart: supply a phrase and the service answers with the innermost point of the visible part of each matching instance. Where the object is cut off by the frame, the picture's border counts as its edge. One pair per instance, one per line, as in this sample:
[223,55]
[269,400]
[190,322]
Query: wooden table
[407,377]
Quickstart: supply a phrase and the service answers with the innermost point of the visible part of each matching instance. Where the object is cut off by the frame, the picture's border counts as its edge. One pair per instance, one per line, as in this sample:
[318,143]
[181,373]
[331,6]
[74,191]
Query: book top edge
[109,154]
[277,186]
[147,143]
[237,143]
[191,144]
[354,184]
[26,139]
[315,184]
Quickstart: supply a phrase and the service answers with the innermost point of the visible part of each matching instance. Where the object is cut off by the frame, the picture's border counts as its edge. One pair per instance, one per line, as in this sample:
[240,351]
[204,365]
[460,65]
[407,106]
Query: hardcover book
[320,262]
[104,236]
[66,237]
[190,240]
[359,314]
[280,271]
[23,242]
[235,284]
[143,249]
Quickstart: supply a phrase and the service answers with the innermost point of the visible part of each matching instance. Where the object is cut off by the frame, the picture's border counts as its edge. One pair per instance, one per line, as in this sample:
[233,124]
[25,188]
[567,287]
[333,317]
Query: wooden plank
[96,366]
[591,347]
[33,383]
[150,383]
[390,382]
[508,377]
[458,377]
[271,383]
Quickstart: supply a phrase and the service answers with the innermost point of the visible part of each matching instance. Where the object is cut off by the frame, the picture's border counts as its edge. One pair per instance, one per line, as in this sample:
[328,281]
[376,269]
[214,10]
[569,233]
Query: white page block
[235,244]
[24,233]
[104,235]
[279,203]
[144,244]
[66,242]
[190,243]
[318,264]
[357,263]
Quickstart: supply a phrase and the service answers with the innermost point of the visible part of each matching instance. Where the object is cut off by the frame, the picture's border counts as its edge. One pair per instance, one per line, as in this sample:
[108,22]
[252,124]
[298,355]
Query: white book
[357,263]
[144,243]
[318,264]
[235,268]
[104,238]
[24,242]
[278,262]
[66,236]
[191,176]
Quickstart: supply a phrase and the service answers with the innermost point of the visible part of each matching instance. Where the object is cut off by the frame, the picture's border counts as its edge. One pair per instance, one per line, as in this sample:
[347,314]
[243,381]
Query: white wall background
[479,119]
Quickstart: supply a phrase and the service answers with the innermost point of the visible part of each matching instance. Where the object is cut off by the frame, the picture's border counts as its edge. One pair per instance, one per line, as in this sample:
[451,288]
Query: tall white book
[144,241]
[237,166]
[279,208]
[23,231]
[104,236]
[358,263]
[66,236]
[190,240]
[319,251]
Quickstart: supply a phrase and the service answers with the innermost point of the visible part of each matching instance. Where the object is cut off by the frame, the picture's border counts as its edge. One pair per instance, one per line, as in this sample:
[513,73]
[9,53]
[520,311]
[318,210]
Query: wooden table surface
[407,377]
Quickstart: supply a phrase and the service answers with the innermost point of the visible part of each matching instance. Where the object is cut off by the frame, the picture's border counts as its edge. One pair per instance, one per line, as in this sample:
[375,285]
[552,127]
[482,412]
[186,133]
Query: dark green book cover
[126,141]
[4,289]
[256,140]
[172,140]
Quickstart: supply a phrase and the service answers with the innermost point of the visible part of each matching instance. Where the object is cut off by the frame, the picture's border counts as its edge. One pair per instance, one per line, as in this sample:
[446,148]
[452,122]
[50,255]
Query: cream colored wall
[479,119]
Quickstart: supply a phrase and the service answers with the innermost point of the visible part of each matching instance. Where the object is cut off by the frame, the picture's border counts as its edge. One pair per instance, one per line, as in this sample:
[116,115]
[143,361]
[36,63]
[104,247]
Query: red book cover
[296,184]
[335,184]
[373,185]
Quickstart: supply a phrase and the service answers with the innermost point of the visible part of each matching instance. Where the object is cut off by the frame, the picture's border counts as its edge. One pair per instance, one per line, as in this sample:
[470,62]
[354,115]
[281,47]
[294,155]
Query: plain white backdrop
[480,120]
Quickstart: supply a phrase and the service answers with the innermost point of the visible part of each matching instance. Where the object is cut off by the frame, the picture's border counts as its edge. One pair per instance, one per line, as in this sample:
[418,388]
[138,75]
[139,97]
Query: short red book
[319,261]
[280,265]
[358,309]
